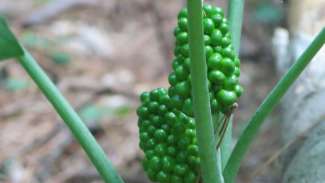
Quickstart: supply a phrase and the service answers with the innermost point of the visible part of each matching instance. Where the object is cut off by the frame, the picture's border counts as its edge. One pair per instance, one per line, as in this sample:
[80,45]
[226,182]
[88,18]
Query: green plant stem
[71,118]
[202,112]
[235,18]
[268,104]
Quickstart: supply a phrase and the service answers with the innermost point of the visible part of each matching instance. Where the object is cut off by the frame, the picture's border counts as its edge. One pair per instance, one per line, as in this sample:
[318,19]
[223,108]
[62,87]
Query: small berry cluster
[166,124]
[168,139]
[222,62]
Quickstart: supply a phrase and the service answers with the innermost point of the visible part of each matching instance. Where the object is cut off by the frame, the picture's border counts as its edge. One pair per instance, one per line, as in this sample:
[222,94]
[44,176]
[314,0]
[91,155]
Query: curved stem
[71,118]
[268,104]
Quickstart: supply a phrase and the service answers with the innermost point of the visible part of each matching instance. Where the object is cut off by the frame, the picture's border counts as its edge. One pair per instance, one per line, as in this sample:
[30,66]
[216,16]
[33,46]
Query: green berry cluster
[168,139]
[222,63]
[166,124]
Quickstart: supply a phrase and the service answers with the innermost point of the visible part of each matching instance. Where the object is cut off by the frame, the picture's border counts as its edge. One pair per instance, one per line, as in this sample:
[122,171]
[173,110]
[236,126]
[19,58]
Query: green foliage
[9,46]
[168,140]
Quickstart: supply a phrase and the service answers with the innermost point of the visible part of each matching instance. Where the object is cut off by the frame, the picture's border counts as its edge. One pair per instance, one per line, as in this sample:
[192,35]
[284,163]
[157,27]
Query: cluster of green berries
[166,124]
[222,63]
[168,139]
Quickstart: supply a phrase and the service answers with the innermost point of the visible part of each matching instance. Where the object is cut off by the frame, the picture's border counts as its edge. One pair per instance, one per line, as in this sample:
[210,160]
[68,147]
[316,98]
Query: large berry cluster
[166,124]
[168,139]
[222,62]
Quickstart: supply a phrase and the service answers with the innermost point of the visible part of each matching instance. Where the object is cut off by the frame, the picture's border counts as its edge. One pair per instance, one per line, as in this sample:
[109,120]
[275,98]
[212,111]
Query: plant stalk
[268,104]
[235,18]
[211,172]
[71,118]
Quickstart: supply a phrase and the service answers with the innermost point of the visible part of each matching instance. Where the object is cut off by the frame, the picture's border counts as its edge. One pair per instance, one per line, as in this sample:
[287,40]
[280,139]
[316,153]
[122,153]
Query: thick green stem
[71,118]
[235,18]
[268,104]
[202,112]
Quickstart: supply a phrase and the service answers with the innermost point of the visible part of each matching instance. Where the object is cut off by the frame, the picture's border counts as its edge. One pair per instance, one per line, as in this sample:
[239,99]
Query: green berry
[149,154]
[193,150]
[239,90]
[162,109]
[170,117]
[181,73]
[153,107]
[218,10]
[214,61]
[160,135]
[183,13]
[144,136]
[208,9]
[216,77]
[208,25]
[183,23]
[172,78]
[226,98]
[185,50]
[188,107]
[217,19]
[143,111]
[180,169]
[182,38]
[171,150]
[231,82]
[160,149]
[208,51]
[227,66]
[167,164]
[207,39]
[162,177]
[171,139]
[216,37]
[182,88]
[237,71]
[228,52]
[187,63]
[176,102]
[224,27]
[145,97]
[225,41]
[190,133]
[154,163]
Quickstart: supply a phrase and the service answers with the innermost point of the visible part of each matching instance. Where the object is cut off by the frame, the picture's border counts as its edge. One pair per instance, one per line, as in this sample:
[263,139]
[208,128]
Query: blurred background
[101,55]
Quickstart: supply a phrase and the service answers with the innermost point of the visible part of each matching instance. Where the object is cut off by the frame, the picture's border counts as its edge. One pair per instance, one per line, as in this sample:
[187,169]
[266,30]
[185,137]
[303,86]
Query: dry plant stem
[71,118]
[210,170]
[268,104]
